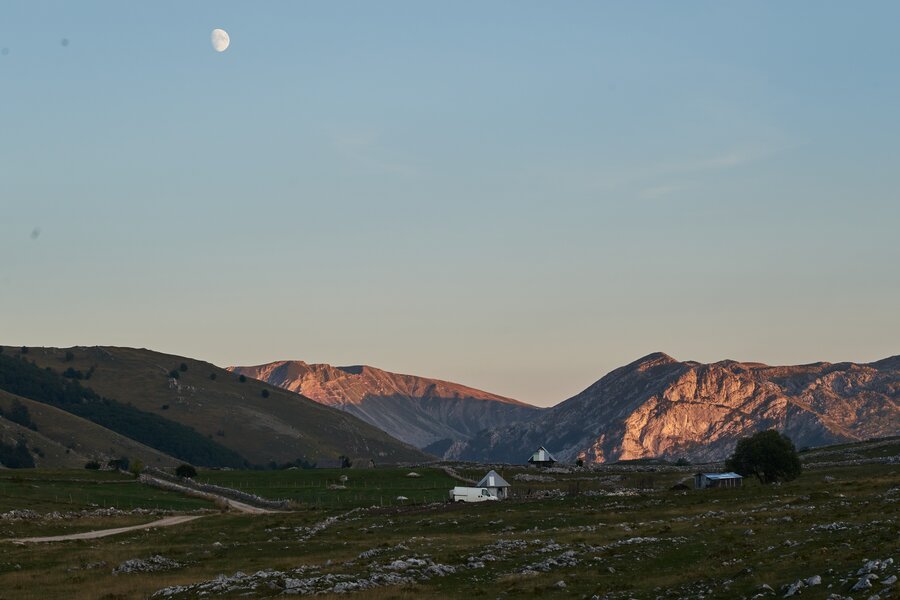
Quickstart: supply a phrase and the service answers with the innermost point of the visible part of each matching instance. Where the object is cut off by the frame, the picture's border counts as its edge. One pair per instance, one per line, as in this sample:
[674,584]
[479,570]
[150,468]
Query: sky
[517,196]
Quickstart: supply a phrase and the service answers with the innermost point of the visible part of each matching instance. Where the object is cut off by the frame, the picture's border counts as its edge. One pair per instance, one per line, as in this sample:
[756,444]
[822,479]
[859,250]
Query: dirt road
[90,535]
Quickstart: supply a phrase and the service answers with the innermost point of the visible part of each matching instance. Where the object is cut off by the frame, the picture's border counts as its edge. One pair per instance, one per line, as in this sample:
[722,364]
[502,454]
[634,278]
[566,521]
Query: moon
[220,40]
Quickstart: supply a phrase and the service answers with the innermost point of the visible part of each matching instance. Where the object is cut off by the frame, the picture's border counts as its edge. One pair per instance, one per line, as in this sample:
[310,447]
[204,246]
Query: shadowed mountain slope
[417,410]
[660,407]
[62,440]
[260,422]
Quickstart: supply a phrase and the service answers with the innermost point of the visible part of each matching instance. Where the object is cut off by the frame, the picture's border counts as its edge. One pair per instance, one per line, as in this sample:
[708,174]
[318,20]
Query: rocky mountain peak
[659,407]
[417,410]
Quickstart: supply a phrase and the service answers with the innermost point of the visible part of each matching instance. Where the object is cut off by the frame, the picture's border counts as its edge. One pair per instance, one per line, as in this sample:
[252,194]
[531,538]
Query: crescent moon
[220,40]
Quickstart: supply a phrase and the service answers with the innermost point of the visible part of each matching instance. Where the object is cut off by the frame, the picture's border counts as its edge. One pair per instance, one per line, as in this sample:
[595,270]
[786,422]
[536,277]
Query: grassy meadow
[614,532]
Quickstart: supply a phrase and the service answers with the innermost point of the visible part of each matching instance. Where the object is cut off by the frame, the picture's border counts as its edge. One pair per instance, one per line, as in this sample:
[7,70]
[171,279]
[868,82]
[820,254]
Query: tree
[119,464]
[16,456]
[242,378]
[136,467]
[264,393]
[70,356]
[769,455]
[173,374]
[183,367]
[186,471]
[92,465]
[18,413]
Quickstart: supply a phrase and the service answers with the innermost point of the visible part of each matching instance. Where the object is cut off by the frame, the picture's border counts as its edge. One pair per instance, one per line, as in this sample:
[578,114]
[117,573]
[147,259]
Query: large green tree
[769,455]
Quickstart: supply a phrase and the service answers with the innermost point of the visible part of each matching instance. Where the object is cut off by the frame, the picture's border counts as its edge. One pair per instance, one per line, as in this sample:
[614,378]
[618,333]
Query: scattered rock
[147,565]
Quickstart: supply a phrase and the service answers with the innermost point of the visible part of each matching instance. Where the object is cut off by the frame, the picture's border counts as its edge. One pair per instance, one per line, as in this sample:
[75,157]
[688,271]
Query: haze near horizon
[517,197]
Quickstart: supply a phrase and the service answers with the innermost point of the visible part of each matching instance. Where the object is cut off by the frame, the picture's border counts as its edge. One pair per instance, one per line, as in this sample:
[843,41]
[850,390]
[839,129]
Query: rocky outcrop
[660,407]
[416,410]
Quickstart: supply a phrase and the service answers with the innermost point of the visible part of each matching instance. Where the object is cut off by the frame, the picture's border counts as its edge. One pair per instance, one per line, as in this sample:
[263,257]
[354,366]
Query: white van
[470,494]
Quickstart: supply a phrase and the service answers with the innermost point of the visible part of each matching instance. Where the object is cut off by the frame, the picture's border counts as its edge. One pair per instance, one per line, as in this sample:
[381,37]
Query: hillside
[660,407]
[260,422]
[417,410]
[66,440]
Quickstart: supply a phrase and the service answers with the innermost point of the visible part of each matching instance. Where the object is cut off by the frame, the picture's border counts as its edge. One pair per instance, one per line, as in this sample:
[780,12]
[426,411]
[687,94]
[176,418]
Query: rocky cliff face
[660,407]
[417,410]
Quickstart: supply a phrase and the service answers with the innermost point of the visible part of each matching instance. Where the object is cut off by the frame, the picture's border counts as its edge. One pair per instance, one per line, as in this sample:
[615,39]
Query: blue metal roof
[728,475]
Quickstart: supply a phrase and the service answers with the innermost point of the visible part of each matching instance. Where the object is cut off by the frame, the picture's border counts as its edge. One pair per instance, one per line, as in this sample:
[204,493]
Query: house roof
[493,480]
[541,455]
[728,475]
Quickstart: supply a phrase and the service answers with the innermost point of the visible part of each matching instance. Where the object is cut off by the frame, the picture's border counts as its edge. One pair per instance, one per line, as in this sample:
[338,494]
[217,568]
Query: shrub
[16,456]
[18,413]
[70,356]
[242,378]
[212,376]
[136,467]
[768,455]
[23,350]
[183,367]
[265,393]
[92,465]
[71,373]
[186,471]
[173,374]
[682,462]
[120,464]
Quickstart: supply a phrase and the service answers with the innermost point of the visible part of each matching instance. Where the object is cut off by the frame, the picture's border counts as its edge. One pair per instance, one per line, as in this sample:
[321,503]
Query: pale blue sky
[519,196]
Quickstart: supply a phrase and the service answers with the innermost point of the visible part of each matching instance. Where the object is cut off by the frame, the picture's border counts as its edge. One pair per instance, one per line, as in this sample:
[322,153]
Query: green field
[607,537]
[74,490]
[320,488]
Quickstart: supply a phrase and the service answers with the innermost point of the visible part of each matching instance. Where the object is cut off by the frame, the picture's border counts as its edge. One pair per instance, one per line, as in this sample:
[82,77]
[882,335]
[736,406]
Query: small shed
[717,480]
[496,485]
[542,458]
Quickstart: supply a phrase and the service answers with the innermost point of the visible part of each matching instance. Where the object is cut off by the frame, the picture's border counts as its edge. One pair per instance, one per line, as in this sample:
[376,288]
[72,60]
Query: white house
[495,484]
[717,480]
[542,458]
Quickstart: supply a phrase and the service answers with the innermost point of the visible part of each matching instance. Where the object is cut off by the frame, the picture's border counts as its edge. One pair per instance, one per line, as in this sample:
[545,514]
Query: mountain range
[417,410]
[88,403]
[658,407]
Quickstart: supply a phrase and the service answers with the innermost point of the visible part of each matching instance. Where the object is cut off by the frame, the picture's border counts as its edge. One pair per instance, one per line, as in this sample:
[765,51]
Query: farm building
[542,458]
[495,484]
[717,480]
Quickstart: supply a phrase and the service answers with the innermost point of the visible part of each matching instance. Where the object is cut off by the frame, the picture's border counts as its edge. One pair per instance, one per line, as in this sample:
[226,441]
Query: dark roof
[492,480]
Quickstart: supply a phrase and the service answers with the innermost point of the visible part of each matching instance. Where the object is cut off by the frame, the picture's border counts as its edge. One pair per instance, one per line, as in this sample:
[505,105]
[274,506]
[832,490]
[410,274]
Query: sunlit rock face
[660,407]
[416,410]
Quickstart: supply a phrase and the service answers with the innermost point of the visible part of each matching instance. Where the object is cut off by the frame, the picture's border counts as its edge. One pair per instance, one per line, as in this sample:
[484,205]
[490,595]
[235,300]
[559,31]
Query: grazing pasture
[614,532]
